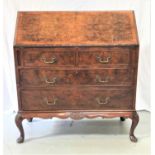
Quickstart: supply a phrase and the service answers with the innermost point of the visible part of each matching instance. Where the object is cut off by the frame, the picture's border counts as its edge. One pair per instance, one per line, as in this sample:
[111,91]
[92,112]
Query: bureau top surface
[98,28]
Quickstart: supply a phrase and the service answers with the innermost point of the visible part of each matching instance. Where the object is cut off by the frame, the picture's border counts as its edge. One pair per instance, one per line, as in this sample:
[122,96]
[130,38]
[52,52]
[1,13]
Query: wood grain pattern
[101,77]
[78,56]
[77,99]
[76,65]
[110,56]
[76,28]
[43,57]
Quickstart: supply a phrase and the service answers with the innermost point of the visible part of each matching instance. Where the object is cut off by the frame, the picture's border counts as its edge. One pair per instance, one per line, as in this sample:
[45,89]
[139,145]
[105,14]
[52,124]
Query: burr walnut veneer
[76,65]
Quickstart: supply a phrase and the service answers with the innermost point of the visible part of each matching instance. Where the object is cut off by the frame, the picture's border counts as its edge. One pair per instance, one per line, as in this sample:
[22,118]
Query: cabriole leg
[18,121]
[135,120]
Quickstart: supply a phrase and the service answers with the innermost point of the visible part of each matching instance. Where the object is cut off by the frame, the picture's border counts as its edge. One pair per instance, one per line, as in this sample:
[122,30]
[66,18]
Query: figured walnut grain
[76,28]
[76,39]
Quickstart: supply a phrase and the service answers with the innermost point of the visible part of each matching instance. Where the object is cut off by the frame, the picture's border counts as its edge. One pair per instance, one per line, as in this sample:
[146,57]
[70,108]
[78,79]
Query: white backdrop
[142,12]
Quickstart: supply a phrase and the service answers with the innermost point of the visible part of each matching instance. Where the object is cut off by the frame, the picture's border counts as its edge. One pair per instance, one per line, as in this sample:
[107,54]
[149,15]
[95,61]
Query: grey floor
[67,137]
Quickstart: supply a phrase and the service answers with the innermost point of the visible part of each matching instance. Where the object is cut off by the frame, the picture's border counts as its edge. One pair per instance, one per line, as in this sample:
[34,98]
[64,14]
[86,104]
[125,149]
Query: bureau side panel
[136,59]
[17,63]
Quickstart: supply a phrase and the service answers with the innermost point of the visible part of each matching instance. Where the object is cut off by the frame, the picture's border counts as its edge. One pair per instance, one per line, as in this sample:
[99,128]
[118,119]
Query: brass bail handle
[52,81]
[52,61]
[98,79]
[50,102]
[103,60]
[106,100]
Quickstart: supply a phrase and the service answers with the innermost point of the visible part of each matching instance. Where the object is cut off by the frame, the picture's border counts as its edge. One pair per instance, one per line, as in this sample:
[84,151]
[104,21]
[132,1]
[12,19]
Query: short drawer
[78,99]
[101,77]
[48,57]
[104,56]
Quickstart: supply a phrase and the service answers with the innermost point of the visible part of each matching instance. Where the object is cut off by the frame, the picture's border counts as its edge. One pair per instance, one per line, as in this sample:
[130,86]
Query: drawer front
[78,99]
[102,77]
[48,57]
[104,56]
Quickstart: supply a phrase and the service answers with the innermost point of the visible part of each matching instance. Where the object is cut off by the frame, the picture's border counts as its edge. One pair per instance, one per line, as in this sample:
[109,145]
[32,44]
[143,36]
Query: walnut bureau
[76,65]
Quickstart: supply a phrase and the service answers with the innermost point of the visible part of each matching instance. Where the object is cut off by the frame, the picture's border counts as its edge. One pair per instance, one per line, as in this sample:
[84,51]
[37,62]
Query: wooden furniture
[76,65]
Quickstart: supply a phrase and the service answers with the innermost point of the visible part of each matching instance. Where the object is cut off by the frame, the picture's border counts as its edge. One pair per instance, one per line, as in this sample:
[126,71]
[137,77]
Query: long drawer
[101,77]
[78,99]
